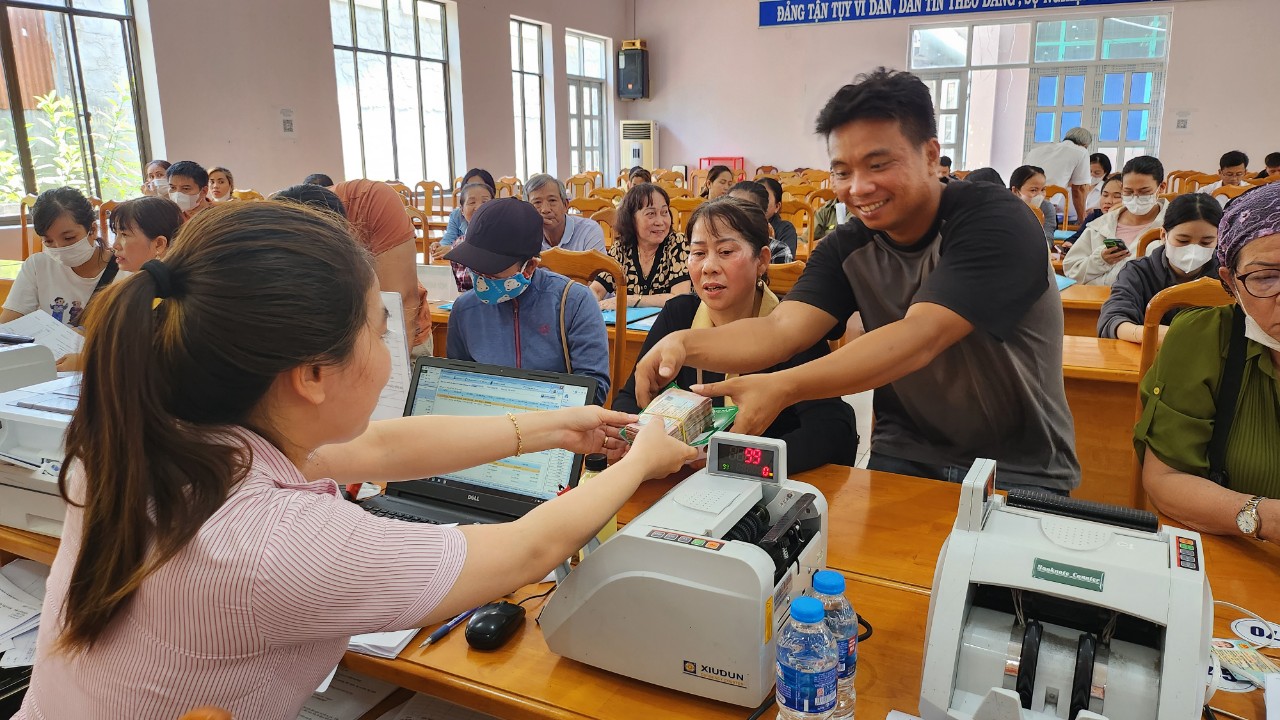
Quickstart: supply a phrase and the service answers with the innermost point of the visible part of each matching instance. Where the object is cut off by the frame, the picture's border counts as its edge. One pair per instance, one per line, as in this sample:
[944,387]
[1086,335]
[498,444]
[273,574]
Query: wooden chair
[430,197]
[586,205]
[421,228]
[1053,191]
[457,188]
[1169,196]
[676,192]
[30,243]
[820,178]
[1175,180]
[1229,192]
[783,277]
[507,189]
[607,218]
[1195,182]
[406,194]
[797,192]
[681,209]
[800,215]
[668,177]
[961,174]
[1038,213]
[765,171]
[1148,237]
[820,197]
[580,185]
[247,195]
[622,177]
[515,185]
[208,712]
[613,195]
[104,215]
[790,178]
[595,175]
[698,180]
[1205,292]
[583,266]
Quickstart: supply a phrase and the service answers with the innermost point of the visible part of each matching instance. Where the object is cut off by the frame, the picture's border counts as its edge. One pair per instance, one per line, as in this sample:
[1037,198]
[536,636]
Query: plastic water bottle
[807,664]
[828,586]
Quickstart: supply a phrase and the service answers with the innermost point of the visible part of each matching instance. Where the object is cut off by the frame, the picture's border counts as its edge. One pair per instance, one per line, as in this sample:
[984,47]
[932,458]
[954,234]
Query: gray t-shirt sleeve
[824,283]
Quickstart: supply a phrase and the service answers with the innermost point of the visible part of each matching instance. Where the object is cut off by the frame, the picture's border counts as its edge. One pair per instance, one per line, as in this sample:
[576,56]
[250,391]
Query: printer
[1047,607]
[692,593]
[33,426]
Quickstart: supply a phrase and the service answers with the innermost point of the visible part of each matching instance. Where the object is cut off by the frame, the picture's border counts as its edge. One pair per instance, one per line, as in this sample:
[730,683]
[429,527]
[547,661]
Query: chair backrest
[1230,191]
[783,277]
[1169,196]
[588,205]
[1175,180]
[595,175]
[798,191]
[430,197]
[681,209]
[1053,191]
[583,266]
[820,197]
[800,215]
[30,243]
[961,174]
[405,193]
[698,180]
[247,195]
[607,218]
[421,228]
[104,214]
[1038,213]
[1144,241]
[457,189]
[1205,292]
[514,184]
[613,195]
[765,171]
[663,177]
[580,185]
[821,178]
[674,192]
[1195,182]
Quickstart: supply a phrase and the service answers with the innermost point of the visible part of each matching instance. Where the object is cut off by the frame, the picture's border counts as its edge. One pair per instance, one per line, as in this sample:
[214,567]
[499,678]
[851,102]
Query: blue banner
[795,12]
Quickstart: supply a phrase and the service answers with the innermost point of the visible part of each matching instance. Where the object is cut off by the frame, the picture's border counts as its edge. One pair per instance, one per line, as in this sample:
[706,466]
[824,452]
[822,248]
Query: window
[393,89]
[73,110]
[526,91]
[585,58]
[1037,80]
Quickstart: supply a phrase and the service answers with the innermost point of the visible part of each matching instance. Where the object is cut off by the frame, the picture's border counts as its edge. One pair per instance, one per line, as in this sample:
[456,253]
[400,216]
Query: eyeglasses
[1261,284]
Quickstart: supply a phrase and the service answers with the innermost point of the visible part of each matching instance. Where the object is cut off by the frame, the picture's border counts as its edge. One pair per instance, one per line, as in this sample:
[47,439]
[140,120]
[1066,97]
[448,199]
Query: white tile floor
[862,412]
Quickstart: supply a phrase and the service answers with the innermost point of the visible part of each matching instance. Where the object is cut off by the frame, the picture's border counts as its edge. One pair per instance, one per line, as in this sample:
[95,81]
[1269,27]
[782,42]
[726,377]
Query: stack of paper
[21,594]
[384,644]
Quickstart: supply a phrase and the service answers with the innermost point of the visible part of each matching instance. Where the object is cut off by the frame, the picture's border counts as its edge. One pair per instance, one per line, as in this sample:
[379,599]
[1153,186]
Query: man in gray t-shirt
[953,282]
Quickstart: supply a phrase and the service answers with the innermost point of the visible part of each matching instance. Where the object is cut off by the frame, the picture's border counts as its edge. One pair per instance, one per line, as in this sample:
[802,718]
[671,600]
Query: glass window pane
[1109,127]
[431,30]
[575,167]
[404,81]
[1044,127]
[515,45]
[950,94]
[55,131]
[1133,152]
[518,104]
[375,116]
[106,6]
[531,36]
[573,98]
[1136,126]
[1140,88]
[533,123]
[999,44]
[1112,154]
[594,93]
[370,30]
[400,23]
[593,58]
[947,129]
[1047,93]
[435,123]
[1113,89]
[933,91]
[105,68]
[572,54]
[340,20]
[349,113]
[1064,40]
[1070,120]
[573,134]
[939,47]
[1135,37]
[12,187]
[1073,90]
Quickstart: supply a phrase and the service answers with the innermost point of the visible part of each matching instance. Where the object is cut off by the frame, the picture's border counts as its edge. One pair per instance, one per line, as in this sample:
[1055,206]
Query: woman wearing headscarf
[1211,412]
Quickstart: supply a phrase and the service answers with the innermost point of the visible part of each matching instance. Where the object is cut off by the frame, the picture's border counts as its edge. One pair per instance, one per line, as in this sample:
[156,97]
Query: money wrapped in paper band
[686,415]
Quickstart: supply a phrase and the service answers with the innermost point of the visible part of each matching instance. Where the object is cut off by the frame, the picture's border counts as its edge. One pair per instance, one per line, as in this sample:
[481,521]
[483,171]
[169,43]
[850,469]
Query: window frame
[84,116]
[578,84]
[518,71]
[418,58]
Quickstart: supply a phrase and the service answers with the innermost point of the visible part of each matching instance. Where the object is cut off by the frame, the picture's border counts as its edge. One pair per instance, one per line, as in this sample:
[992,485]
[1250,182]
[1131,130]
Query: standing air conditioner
[639,144]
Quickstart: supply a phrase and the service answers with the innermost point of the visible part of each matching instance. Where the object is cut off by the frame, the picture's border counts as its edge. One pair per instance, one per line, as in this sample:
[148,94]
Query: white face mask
[1140,204]
[1254,331]
[224,198]
[1188,258]
[184,201]
[1035,200]
[75,254]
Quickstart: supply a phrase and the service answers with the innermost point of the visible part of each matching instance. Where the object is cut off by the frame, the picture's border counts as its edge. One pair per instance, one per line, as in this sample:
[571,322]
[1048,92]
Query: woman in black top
[652,254]
[728,258]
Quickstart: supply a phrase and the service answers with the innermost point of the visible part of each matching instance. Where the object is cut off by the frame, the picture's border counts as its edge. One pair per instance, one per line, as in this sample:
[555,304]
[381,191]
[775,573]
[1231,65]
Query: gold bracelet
[519,438]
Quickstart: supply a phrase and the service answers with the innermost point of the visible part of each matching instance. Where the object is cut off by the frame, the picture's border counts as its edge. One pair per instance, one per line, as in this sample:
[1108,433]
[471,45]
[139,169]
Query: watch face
[1247,522]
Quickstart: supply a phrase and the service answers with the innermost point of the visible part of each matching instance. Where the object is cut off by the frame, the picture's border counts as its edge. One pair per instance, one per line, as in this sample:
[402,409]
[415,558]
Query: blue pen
[444,629]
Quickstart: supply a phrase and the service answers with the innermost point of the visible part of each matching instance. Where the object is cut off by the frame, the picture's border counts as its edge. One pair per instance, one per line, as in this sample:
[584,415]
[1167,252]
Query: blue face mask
[492,291]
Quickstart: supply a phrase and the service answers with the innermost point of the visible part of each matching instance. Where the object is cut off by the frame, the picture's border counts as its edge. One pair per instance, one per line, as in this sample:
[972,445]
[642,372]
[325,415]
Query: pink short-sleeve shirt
[253,613]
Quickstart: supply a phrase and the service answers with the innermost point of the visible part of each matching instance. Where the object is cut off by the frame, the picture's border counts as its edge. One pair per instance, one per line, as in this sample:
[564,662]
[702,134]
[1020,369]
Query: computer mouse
[492,625]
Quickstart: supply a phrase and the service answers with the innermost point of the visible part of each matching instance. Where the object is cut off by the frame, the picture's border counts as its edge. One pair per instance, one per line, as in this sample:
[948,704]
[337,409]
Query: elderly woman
[653,256]
[1211,410]
[560,229]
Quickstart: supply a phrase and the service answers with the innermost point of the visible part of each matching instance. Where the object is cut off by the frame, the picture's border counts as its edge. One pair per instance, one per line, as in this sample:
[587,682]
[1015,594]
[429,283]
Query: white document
[349,696]
[23,653]
[391,401]
[328,679]
[425,707]
[28,575]
[40,325]
[384,644]
[1273,697]
[894,714]
[19,610]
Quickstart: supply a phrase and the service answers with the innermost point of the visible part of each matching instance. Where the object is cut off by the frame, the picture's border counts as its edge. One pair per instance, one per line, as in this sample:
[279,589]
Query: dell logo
[473,498]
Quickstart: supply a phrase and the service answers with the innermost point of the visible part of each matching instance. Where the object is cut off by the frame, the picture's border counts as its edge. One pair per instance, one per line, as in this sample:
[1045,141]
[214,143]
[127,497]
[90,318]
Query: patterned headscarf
[1251,215]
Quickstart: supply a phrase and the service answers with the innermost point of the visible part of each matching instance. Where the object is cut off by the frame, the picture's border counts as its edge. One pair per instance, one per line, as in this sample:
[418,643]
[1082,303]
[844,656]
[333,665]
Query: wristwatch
[1248,520]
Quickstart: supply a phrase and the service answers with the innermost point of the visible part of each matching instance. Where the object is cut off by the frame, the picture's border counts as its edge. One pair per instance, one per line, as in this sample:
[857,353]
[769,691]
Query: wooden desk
[1081,306]
[1101,377]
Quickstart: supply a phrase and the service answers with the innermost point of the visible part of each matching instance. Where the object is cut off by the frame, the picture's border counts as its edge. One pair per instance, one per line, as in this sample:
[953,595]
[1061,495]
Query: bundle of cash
[686,415]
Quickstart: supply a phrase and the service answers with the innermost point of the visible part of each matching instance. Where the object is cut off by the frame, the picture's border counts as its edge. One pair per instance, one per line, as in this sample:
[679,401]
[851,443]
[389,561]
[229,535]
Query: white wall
[721,85]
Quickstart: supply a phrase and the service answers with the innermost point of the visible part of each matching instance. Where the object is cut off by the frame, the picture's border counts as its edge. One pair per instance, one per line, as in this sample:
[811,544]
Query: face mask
[1254,331]
[75,254]
[493,291]
[221,199]
[184,201]
[1188,258]
[1140,204]
[1035,200]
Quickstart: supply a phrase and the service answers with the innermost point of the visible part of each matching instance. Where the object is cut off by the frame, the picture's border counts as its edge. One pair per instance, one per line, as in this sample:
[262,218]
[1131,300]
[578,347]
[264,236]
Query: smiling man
[964,341]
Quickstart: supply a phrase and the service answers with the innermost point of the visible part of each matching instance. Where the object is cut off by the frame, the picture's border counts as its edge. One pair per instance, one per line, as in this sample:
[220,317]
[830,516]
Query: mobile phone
[1115,243]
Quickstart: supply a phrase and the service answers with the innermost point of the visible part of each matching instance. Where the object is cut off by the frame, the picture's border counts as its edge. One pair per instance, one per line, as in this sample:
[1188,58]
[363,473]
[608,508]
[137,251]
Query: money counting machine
[33,425]
[1047,607]
[692,593]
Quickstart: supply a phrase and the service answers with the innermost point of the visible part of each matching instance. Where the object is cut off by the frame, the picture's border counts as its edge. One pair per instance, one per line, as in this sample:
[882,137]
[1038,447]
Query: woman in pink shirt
[206,556]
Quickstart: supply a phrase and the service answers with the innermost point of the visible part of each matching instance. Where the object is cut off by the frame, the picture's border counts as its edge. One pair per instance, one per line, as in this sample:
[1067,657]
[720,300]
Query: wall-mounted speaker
[633,70]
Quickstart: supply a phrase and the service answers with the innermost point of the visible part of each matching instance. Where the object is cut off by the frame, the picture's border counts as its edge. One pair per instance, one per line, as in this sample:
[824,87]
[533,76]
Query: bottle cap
[828,582]
[807,610]
[595,462]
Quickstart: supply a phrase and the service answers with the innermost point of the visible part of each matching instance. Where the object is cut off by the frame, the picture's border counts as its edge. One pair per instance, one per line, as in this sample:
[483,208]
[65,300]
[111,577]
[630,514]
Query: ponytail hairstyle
[176,357]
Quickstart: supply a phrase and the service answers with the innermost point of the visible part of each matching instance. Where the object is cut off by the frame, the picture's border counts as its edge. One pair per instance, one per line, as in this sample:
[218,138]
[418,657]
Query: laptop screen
[511,485]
